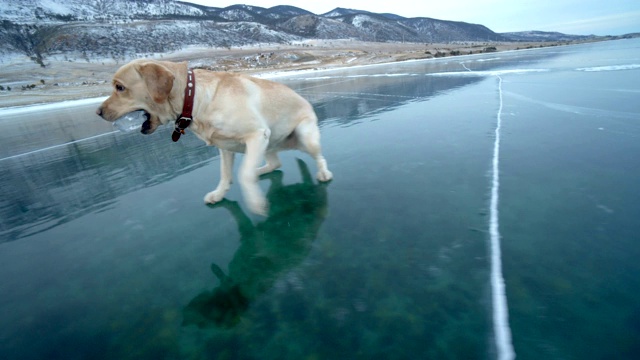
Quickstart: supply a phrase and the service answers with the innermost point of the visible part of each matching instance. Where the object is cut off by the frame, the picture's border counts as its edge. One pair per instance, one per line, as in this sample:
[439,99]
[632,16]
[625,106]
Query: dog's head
[146,85]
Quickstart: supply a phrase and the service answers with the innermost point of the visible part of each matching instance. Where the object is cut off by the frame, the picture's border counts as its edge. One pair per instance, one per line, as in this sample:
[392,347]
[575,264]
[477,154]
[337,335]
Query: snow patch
[488,73]
[610,68]
[45,107]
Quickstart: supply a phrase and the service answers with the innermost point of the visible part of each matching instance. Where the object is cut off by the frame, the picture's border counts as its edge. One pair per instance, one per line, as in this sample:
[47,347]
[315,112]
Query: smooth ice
[482,206]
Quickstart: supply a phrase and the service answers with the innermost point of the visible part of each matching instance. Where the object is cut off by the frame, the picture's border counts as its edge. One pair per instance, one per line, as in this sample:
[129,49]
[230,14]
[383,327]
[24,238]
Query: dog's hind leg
[272,163]
[256,144]
[309,141]
[226,175]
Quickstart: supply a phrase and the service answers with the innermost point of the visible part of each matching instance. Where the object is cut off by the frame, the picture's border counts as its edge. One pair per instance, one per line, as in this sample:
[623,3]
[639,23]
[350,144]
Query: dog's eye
[119,88]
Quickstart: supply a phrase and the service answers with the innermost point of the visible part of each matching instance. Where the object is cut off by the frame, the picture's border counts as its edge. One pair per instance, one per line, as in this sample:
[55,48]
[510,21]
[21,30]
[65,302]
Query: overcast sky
[580,17]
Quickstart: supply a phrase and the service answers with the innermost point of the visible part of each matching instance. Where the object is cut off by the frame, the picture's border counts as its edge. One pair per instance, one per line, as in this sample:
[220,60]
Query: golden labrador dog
[235,112]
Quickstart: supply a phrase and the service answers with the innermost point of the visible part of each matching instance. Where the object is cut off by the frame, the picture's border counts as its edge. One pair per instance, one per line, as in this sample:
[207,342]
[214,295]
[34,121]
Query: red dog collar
[186,117]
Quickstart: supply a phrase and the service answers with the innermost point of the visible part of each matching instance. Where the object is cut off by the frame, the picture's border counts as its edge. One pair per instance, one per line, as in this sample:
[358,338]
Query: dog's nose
[99,111]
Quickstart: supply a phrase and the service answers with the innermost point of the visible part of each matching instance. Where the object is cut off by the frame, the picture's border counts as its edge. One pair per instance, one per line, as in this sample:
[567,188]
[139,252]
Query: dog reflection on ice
[267,250]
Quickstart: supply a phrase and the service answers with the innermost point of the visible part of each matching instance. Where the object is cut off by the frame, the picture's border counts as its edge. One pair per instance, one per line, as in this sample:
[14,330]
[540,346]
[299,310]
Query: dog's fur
[236,113]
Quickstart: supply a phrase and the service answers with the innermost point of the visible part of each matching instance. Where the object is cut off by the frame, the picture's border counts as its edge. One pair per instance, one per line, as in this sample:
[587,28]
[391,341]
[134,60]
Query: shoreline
[64,81]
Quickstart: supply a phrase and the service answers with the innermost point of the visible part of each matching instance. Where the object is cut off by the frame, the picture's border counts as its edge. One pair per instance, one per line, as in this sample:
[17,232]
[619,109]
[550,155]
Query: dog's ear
[159,80]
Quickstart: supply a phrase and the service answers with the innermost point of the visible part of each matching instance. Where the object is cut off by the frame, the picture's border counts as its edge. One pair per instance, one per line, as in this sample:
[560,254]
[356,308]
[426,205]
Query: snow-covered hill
[122,28]
[542,36]
[62,11]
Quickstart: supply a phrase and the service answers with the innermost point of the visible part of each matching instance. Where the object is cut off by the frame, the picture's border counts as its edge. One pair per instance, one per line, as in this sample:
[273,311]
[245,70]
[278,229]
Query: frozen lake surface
[450,176]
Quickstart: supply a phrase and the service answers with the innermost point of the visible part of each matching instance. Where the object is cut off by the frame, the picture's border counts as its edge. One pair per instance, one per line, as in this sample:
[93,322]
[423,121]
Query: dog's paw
[258,206]
[324,176]
[213,197]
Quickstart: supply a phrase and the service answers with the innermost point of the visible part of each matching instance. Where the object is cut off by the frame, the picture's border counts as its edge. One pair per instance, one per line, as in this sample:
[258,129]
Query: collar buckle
[182,123]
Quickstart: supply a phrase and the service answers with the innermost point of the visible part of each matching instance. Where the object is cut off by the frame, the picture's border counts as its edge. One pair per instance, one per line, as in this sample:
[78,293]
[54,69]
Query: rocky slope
[117,28]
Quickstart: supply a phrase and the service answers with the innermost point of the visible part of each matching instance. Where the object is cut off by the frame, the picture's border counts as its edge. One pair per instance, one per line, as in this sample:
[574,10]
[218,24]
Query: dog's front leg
[226,175]
[256,144]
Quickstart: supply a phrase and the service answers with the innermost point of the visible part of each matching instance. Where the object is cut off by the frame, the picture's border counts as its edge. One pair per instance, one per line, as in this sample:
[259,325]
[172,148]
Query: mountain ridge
[118,29]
